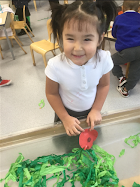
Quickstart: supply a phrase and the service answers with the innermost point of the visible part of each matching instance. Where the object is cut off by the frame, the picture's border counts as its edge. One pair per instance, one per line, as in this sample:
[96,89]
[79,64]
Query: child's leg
[134,69]
[119,58]
[19,12]
[27,14]
[28,23]
[133,55]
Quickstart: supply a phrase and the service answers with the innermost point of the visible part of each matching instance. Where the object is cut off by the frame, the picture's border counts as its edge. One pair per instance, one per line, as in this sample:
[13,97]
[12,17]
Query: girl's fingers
[92,125]
[88,121]
[77,121]
[68,133]
[78,127]
[74,132]
[97,122]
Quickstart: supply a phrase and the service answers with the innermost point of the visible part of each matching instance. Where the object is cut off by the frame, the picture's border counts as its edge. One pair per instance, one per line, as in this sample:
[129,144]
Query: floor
[19,101]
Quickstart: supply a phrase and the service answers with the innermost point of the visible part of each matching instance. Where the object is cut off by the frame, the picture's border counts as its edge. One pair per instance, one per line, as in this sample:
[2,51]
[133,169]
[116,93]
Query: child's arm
[94,117]
[70,123]
[114,30]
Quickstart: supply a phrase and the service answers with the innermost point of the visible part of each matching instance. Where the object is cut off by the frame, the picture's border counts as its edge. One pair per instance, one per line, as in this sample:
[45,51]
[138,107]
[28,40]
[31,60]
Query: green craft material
[93,167]
[135,138]
[136,185]
[41,104]
[122,152]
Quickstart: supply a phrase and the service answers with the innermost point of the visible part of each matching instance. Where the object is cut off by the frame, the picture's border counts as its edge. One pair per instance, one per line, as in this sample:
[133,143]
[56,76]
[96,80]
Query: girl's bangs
[81,22]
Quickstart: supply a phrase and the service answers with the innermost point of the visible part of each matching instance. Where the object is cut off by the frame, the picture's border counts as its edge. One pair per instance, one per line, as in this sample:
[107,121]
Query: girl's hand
[94,118]
[72,126]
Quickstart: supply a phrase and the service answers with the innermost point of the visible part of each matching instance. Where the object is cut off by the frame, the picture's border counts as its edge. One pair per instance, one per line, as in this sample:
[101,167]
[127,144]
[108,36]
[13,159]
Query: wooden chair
[35,5]
[44,46]
[127,69]
[14,36]
[1,52]
[65,1]
[22,25]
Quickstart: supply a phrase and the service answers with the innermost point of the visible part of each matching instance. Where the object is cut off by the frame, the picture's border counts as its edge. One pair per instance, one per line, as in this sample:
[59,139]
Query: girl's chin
[79,63]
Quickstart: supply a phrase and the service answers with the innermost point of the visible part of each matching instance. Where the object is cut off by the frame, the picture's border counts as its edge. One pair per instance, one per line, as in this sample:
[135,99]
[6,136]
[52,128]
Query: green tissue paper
[93,167]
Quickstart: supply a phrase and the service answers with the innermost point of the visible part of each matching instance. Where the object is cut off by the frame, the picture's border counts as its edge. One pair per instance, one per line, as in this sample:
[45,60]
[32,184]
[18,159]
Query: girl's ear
[101,39]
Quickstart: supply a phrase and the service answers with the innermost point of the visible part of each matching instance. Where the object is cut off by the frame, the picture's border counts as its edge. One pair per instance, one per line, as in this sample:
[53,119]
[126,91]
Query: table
[3,17]
[108,36]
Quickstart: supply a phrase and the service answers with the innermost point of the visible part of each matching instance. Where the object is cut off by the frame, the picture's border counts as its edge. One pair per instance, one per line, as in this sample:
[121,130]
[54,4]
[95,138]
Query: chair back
[1,52]
[49,29]
[65,1]
[0,47]
[24,17]
[12,24]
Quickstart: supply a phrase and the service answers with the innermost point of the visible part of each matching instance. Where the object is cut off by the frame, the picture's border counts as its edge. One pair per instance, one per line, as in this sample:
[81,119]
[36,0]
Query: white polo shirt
[78,84]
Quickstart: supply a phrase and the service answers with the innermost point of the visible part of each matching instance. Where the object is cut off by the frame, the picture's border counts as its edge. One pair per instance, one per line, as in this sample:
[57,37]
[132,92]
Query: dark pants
[79,115]
[0,79]
[19,12]
[131,55]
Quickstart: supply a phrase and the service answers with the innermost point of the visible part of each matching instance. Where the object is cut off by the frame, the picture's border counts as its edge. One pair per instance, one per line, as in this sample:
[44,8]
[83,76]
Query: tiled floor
[19,109]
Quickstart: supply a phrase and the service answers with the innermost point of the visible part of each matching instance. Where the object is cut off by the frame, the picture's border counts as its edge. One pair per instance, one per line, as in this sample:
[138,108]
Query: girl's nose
[77,46]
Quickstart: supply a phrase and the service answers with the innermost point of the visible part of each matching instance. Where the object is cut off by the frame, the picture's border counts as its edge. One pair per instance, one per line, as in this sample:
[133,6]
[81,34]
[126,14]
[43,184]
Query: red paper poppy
[87,138]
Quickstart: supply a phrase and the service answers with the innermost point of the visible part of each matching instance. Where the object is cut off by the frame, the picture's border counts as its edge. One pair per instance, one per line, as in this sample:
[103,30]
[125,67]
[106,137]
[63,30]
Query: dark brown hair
[130,5]
[83,11]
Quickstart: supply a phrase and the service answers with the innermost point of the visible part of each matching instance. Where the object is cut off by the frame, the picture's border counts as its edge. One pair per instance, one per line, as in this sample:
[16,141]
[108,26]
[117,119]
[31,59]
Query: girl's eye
[69,39]
[87,39]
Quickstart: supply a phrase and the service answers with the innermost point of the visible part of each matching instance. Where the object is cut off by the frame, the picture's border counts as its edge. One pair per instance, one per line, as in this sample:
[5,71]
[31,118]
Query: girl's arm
[94,117]
[52,94]
[71,124]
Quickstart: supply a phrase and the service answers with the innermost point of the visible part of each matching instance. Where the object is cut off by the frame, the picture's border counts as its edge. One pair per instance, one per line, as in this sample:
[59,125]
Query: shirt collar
[74,66]
[130,11]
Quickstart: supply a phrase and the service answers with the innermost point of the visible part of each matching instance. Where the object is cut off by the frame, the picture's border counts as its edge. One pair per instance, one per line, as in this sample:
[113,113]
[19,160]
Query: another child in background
[19,11]
[4,82]
[77,81]
[127,31]
[139,8]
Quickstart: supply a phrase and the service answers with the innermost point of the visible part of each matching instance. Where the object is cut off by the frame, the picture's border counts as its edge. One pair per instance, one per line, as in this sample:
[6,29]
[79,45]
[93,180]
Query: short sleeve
[50,71]
[107,63]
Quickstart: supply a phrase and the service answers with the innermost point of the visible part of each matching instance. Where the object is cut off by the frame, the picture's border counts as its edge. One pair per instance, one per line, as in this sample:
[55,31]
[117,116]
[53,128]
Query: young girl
[77,81]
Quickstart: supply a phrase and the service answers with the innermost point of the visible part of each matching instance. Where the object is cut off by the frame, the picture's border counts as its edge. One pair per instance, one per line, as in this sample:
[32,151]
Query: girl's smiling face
[80,45]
